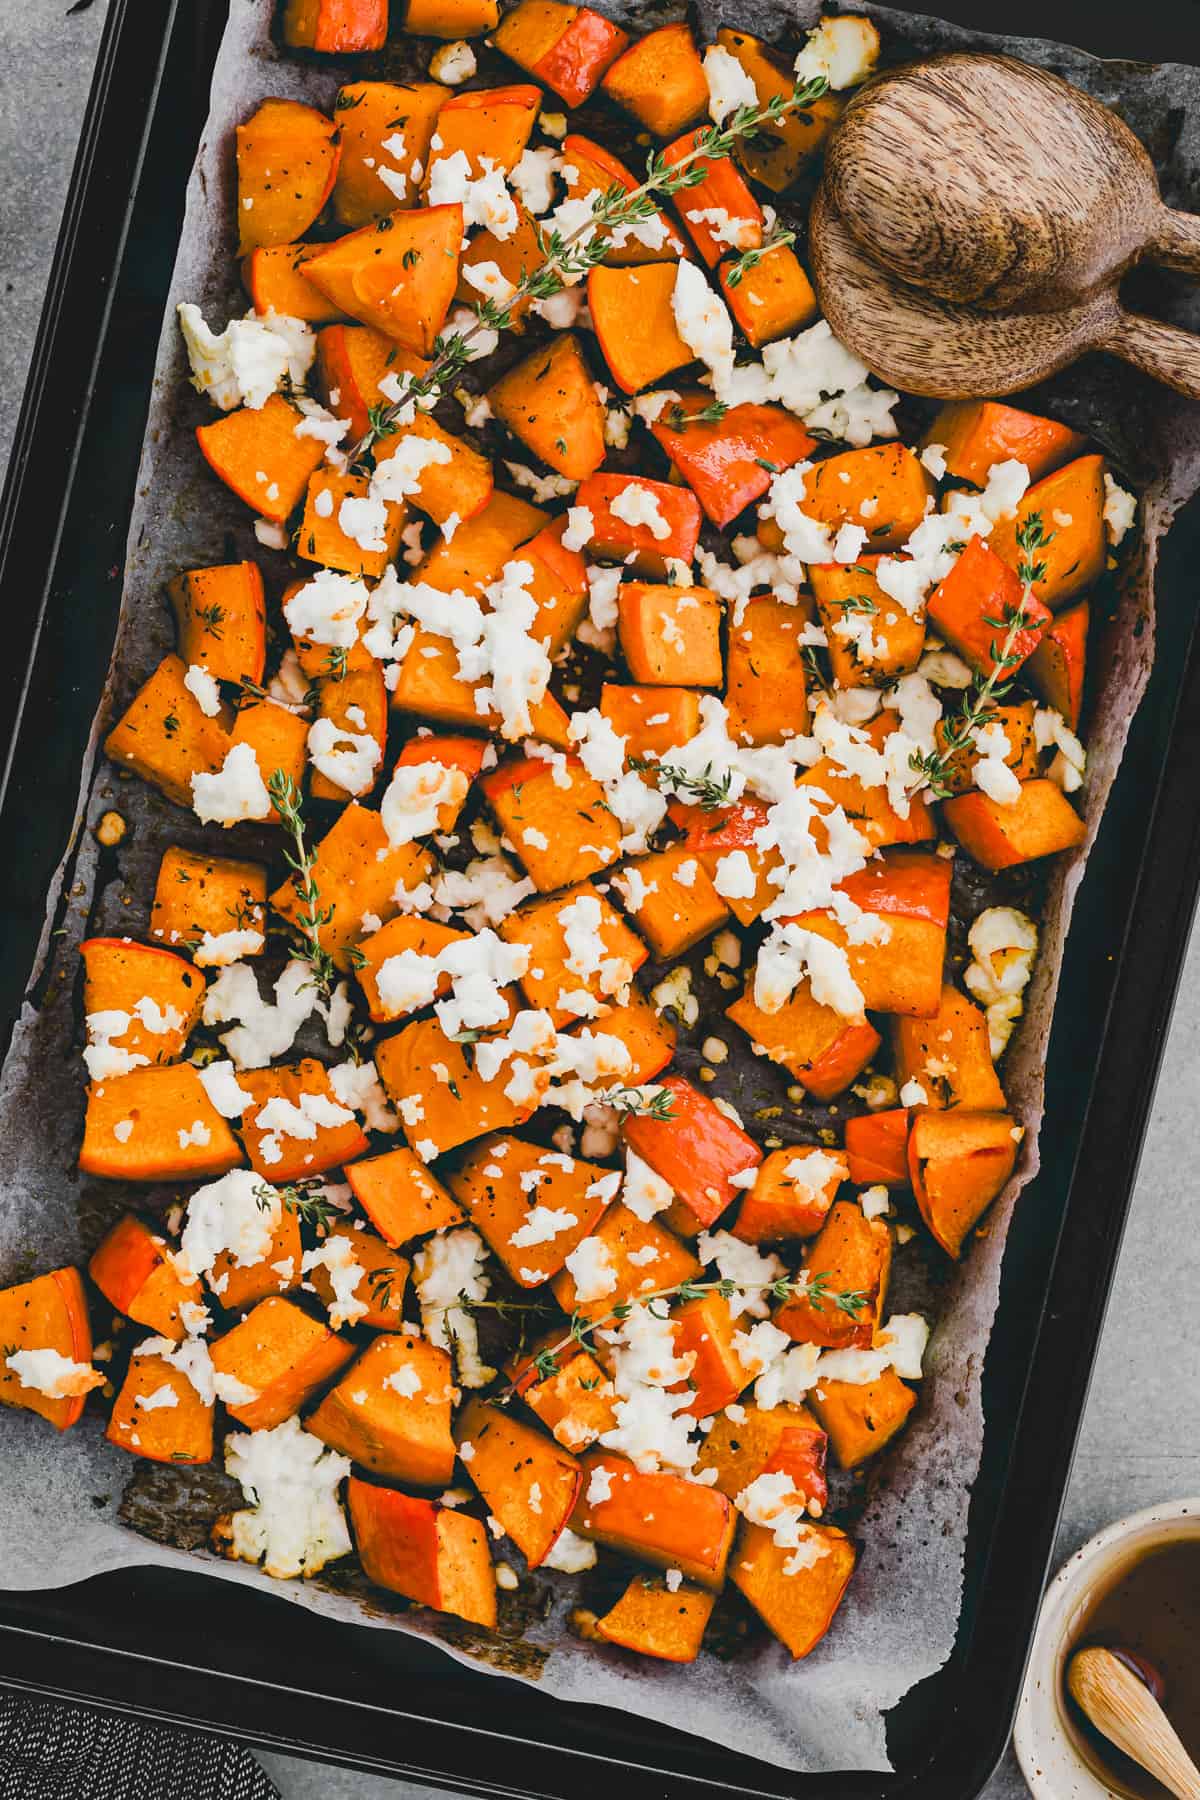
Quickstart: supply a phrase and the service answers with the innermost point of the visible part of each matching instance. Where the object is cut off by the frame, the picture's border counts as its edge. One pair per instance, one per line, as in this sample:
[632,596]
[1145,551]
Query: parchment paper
[59,1497]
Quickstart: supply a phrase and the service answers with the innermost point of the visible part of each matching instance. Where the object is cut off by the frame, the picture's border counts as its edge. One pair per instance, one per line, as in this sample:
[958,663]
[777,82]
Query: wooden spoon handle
[1176,243]
[1162,351]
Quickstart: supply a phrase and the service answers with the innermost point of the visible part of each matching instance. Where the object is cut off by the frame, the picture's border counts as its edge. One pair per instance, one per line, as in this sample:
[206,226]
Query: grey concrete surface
[1141,1435]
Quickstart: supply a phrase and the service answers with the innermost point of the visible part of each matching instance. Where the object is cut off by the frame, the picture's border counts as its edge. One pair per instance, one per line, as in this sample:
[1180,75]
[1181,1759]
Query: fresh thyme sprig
[736,272]
[285,797]
[640,1102]
[985,693]
[568,257]
[677,418]
[707,790]
[307,1199]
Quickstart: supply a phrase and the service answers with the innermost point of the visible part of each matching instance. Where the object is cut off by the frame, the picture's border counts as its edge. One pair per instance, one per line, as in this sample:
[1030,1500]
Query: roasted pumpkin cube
[515,256]
[455,487]
[778,151]
[697,1149]
[260,456]
[529,1482]
[582,954]
[407,936]
[158,993]
[198,897]
[335,27]
[566,47]
[428,1553]
[159,1415]
[220,617]
[556,818]
[295,1126]
[400,1197]
[352,360]
[670,635]
[398,275]
[48,1313]
[429,685]
[958,1162]
[652,720]
[886,493]
[481,546]
[656,1517]
[626,1244]
[861,1417]
[442,1099]
[382,1279]
[765,688]
[1022,756]
[774,299]
[574,1402]
[323,537]
[747,1441]
[164,737]
[451,18]
[277,1357]
[816,1045]
[704,1329]
[717,834]
[596,170]
[435,754]
[1040,822]
[1061,519]
[156,1124]
[721,190]
[390,1411]
[648,1037]
[656,1620]
[356,704]
[533,1206]
[287,159]
[909,892]
[796,1603]
[273,276]
[357,871]
[847,1264]
[671,897]
[549,402]
[792,1194]
[136,1272]
[667,526]
[868,807]
[973,606]
[386,127]
[238,1285]
[1058,667]
[660,80]
[877,1143]
[279,739]
[494,122]
[974,435]
[634,318]
[871,638]
[558,583]
[949,1055]
[728,462]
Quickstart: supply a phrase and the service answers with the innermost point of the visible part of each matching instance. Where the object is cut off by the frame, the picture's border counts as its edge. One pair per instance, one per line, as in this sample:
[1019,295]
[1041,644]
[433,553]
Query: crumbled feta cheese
[51,1373]
[250,360]
[841,51]
[446,1268]
[263,1030]
[452,63]
[204,690]
[220,1083]
[1120,510]
[570,1554]
[591,1270]
[236,792]
[729,86]
[637,505]
[294,1524]
[237,1215]
[484,199]
[533,179]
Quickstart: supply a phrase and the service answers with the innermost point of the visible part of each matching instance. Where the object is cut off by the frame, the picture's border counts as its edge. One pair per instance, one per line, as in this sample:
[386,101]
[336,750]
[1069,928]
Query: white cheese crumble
[204,690]
[294,1524]
[843,51]
[51,1373]
[236,792]
[1120,510]
[250,360]
[453,63]
[445,1268]
[729,86]
[238,1215]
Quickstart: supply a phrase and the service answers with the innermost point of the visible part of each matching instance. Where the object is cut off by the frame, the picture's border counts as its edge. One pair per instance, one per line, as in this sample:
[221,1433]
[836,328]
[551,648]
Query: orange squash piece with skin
[462,486]
[164,737]
[957,1163]
[243,446]
[135,1271]
[764,671]
[529,1483]
[779,1439]
[816,1045]
[357,871]
[409,932]
[567,48]
[356,702]
[851,1254]
[672,900]
[877,1143]
[581,835]
[653,1619]
[400,1197]
[777,152]
[976,434]
[542,927]
[390,1411]
[159,1415]
[772,300]
[368,114]
[220,618]
[1073,558]
[273,276]
[351,362]
[698,1150]
[949,1055]
[119,974]
[670,636]
[726,462]
[295,1157]
[494,122]
[482,545]
[322,539]
[431,1554]
[440,750]
[888,477]
[278,1272]
[715,834]
[1040,823]
[615,540]
[660,80]
[659,1518]
[575,1403]
[861,1418]
[549,402]
[284,1355]
[648,1037]
[381,1286]
[197,894]
[792,1194]
[910,891]
[1057,668]
[335,27]
[652,720]
[516,256]
[398,275]
[895,640]
[48,1313]
[1023,756]
[634,320]
[625,1236]
[558,584]
[502,1179]
[704,1329]
[454,1110]
[798,1608]
[722,190]
[278,738]
[598,170]
[979,590]
[869,808]
[430,686]
[287,159]
[164,1103]
[451,18]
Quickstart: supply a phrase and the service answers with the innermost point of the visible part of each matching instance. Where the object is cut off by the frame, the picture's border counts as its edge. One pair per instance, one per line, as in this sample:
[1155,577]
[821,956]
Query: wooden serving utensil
[1121,1706]
[972,226]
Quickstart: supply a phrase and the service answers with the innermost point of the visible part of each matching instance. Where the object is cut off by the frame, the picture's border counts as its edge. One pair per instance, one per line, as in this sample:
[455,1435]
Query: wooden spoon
[1123,1708]
[973,223]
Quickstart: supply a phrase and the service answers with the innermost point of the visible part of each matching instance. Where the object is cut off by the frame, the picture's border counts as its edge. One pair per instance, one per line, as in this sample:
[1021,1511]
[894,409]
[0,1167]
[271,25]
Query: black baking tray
[184,1648]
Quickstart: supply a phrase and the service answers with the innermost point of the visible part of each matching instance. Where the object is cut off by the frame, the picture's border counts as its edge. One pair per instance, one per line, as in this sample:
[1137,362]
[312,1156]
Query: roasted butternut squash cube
[238,1285]
[656,1620]
[660,80]
[158,993]
[957,1163]
[582,954]
[156,1124]
[652,720]
[1040,823]
[949,1055]
[442,1099]
[398,275]
[164,737]
[861,1418]
[566,47]
[159,1415]
[645,524]
[627,1241]
[596,170]
[656,1517]
[697,1149]
[556,818]
[261,457]
[877,1143]
[871,637]
[816,1045]
[295,1126]
[493,122]
[632,311]
[774,299]
[220,618]
[549,402]
[400,1197]
[974,435]
[575,1402]
[847,1264]
[335,27]
[386,127]
[428,1553]
[765,687]
[670,635]
[792,1194]
[357,871]
[277,1357]
[973,606]
[48,1313]
[198,897]
[796,1603]
[529,1482]
[1064,515]
[747,1441]
[390,1411]
[287,159]
[533,1206]
[728,462]
[671,898]
[135,1271]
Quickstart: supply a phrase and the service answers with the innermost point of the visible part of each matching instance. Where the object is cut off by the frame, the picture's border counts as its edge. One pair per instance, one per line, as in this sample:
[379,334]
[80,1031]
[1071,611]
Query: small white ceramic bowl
[1046,1740]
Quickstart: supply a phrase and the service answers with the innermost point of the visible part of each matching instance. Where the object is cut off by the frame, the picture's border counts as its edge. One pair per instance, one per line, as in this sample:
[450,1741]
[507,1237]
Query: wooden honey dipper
[972,226]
